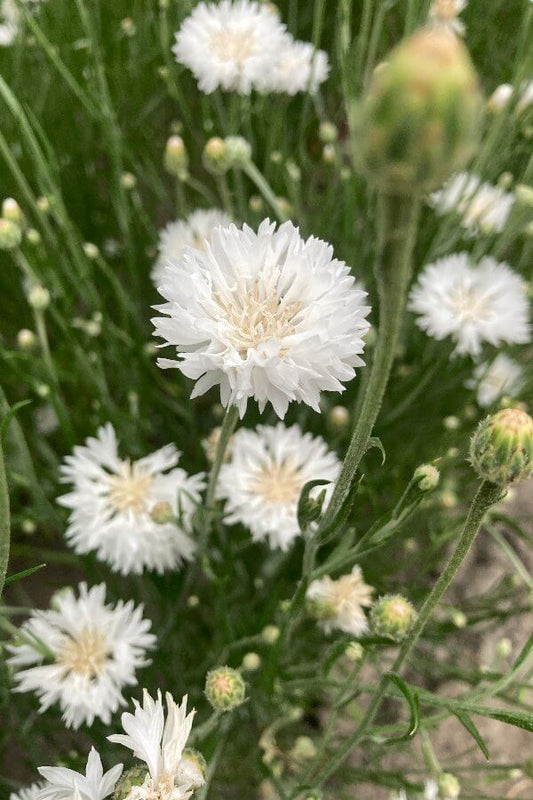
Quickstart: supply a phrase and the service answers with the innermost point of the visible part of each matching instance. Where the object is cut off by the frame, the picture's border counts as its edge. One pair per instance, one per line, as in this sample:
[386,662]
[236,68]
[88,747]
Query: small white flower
[229,44]
[160,742]
[297,68]
[66,784]
[191,232]
[92,652]
[483,208]
[470,303]
[263,481]
[502,377]
[264,315]
[340,603]
[113,498]
[444,15]
[28,793]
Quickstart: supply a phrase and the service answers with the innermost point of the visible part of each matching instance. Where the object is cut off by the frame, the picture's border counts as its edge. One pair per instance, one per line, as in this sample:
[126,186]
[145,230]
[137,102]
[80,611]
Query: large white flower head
[229,44]
[339,604]
[114,502]
[482,207]
[191,232]
[264,478]
[92,650]
[471,303]
[503,376]
[297,68]
[444,15]
[264,315]
[28,793]
[160,743]
[66,784]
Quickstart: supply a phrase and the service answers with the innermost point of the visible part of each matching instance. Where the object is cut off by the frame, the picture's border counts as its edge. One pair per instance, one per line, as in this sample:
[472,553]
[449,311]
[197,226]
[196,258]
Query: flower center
[86,655]
[164,789]
[257,317]
[468,305]
[279,482]
[233,45]
[129,489]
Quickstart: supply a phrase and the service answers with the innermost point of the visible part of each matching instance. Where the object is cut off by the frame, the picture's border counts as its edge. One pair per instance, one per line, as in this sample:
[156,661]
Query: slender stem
[265,189]
[397,218]
[4,522]
[487,494]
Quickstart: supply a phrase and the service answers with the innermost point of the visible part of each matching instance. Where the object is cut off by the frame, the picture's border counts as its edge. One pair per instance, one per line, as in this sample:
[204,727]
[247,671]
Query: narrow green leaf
[375,442]
[4,522]
[467,723]
[412,702]
[18,576]
[308,508]
[8,416]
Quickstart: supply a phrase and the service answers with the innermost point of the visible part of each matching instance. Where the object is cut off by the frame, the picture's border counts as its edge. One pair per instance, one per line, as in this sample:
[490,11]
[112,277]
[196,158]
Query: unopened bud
[215,156]
[420,118]
[392,616]
[427,476]
[12,211]
[304,749]
[176,159]
[459,619]
[128,781]
[162,513]
[192,768]
[39,298]
[328,132]
[329,154]
[10,235]
[33,236]
[270,634]
[91,250]
[25,339]
[43,204]
[128,26]
[501,449]
[339,417]
[251,662]
[128,180]
[524,195]
[238,151]
[504,648]
[500,98]
[354,652]
[449,786]
[225,688]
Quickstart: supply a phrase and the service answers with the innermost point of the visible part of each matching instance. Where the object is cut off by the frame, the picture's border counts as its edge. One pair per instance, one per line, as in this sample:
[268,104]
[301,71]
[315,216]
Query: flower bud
[354,652]
[419,120]
[392,616]
[270,634]
[304,749]
[162,513]
[10,235]
[499,98]
[128,180]
[91,250]
[129,780]
[176,159]
[504,648]
[459,619]
[215,156]
[25,339]
[251,662]
[39,298]
[43,204]
[192,768]
[329,154]
[328,132]
[225,688]
[12,211]
[427,476]
[449,786]
[501,449]
[238,150]
[33,236]
[339,417]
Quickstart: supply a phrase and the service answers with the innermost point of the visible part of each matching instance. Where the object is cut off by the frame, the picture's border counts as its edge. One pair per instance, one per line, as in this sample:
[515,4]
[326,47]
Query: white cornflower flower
[339,604]
[81,653]
[264,315]
[191,232]
[502,377]
[298,68]
[471,303]
[66,784]
[230,44]
[112,501]
[28,793]
[482,208]
[444,15]
[160,742]
[263,481]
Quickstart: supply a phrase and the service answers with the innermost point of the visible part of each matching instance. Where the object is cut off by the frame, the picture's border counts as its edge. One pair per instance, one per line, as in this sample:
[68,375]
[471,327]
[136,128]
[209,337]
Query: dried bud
[392,616]
[225,688]
[176,159]
[427,476]
[420,118]
[501,449]
[10,235]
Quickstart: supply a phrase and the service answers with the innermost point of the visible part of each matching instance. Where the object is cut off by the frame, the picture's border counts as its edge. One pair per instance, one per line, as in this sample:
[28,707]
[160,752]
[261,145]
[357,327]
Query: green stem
[265,189]
[4,521]
[397,220]
[487,494]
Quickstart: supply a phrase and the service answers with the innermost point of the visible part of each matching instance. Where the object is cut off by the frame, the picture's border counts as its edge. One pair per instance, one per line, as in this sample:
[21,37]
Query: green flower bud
[162,513]
[176,159]
[225,688]
[251,662]
[427,476]
[501,449]
[328,132]
[238,150]
[194,767]
[304,749]
[25,339]
[33,236]
[12,211]
[129,780]
[128,180]
[270,634]
[39,297]
[419,120]
[91,250]
[392,616]
[10,235]
[215,156]
[449,786]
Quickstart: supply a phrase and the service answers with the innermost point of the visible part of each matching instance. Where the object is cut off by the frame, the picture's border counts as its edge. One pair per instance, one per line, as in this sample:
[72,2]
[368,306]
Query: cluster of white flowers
[114,504]
[194,231]
[266,315]
[264,478]
[339,604]
[81,653]
[239,45]
[471,303]
[482,208]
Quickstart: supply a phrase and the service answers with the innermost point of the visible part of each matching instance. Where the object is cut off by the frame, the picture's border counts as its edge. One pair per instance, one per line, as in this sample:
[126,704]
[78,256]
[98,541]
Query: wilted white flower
[502,377]
[112,501]
[85,652]
[297,68]
[264,315]
[444,15]
[192,232]
[160,742]
[66,784]
[471,303]
[482,207]
[339,604]
[229,44]
[28,793]
[265,476]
